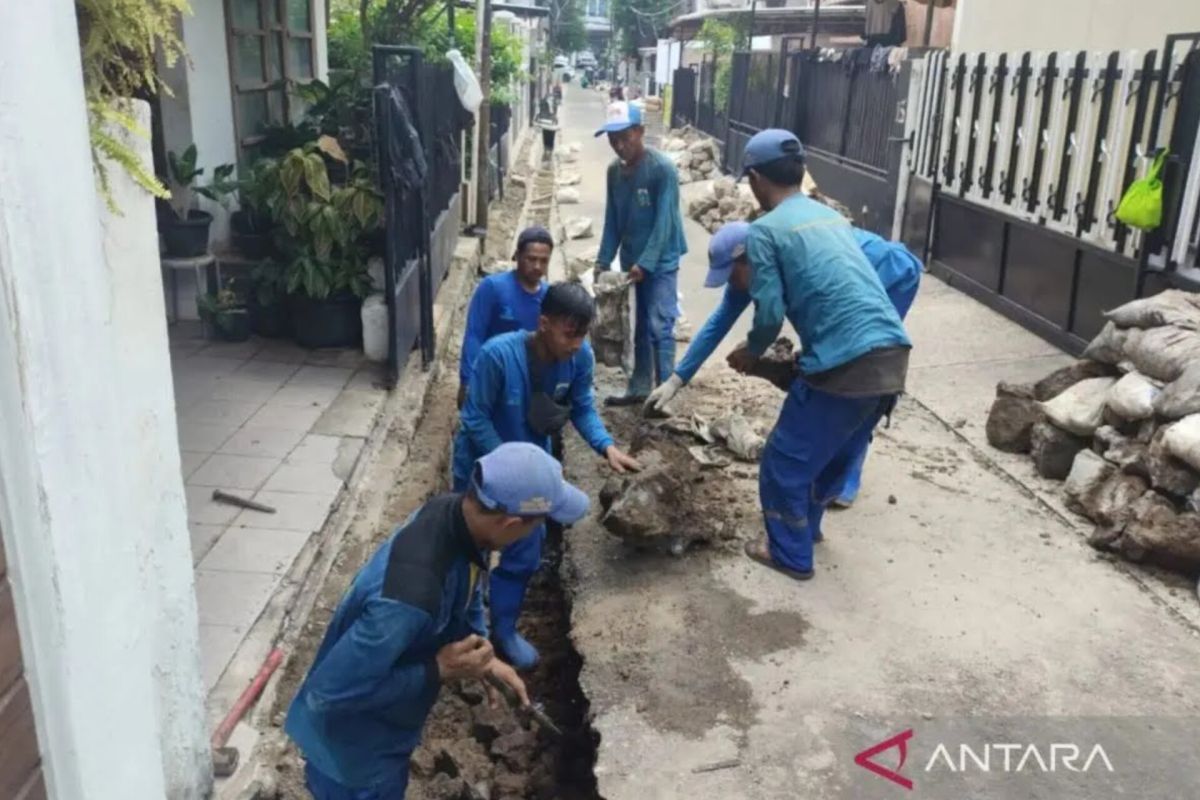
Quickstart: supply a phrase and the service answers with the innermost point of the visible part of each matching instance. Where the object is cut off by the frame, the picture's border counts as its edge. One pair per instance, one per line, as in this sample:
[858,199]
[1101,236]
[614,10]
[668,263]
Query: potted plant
[324,233]
[226,315]
[252,224]
[185,233]
[268,299]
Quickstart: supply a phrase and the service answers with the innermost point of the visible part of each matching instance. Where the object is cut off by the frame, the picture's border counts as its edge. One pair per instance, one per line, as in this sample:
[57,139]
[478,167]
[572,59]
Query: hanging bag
[1142,204]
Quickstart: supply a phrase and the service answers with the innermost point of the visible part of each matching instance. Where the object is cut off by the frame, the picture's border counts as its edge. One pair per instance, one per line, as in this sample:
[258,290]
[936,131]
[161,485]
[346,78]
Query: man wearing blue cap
[525,387]
[899,271]
[642,219]
[808,269]
[412,619]
[506,302]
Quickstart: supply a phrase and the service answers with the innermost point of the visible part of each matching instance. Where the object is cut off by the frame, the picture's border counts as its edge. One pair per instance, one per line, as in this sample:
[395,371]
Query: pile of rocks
[1122,427]
[727,201]
[696,156]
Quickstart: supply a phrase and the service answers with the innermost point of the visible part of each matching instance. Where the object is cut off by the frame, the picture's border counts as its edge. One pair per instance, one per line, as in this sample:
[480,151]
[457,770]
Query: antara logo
[988,757]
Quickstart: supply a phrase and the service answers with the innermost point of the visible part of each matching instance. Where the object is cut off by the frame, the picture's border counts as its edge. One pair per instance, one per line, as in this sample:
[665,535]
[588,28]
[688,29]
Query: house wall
[1071,24]
[92,509]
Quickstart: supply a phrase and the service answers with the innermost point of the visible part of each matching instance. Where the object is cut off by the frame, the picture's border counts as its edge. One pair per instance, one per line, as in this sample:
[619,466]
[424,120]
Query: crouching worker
[412,619]
[525,387]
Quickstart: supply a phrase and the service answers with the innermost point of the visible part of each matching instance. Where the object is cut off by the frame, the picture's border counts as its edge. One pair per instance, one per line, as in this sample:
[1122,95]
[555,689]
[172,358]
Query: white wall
[1000,25]
[321,40]
[91,502]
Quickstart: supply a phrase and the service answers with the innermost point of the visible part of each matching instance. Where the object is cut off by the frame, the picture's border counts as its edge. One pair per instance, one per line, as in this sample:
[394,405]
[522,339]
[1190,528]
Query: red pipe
[247,699]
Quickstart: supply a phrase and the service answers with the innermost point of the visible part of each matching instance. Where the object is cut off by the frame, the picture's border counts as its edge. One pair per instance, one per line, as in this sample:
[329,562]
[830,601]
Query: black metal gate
[710,117]
[683,97]
[418,122]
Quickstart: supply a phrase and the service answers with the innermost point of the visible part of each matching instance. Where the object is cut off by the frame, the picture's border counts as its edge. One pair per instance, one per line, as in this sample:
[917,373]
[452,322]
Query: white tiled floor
[246,412]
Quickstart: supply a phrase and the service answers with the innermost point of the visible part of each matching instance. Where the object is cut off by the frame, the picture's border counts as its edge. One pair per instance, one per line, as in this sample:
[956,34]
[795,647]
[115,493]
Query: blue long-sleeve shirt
[899,271]
[498,397]
[358,715]
[809,269]
[642,217]
[499,305]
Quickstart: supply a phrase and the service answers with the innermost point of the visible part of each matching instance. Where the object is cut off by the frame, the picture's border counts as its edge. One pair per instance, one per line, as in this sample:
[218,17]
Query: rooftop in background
[771,17]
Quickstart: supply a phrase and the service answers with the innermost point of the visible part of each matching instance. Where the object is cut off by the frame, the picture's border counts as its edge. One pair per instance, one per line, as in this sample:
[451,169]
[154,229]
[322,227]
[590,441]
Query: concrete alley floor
[957,599]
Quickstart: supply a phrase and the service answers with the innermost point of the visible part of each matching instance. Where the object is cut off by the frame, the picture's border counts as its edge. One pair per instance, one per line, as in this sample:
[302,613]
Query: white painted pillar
[91,502]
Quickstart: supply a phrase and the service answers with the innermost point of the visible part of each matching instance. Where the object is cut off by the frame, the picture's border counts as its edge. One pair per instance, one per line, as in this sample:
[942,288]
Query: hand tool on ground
[536,714]
[243,502]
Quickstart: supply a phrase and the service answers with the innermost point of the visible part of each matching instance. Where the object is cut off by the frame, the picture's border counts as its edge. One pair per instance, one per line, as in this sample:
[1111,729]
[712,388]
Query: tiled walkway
[270,421]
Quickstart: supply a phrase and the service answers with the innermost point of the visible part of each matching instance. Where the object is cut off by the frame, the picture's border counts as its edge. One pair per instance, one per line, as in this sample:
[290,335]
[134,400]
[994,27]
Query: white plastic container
[375,327]
[465,83]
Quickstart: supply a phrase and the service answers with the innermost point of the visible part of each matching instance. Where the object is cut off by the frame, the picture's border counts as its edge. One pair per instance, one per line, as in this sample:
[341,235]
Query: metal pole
[929,23]
[750,28]
[816,22]
[450,17]
[483,136]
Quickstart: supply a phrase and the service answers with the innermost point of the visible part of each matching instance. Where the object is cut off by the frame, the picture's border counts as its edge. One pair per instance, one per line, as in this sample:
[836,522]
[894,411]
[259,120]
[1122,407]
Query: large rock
[1110,503]
[1124,451]
[1164,471]
[1159,533]
[1089,472]
[1011,420]
[579,228]
[1062,379]
[1054,450]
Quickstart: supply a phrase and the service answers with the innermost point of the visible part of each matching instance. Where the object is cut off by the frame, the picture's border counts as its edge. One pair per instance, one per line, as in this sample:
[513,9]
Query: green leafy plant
[184,176]
[118,40]
[269,280]
[222,308]
[324,225]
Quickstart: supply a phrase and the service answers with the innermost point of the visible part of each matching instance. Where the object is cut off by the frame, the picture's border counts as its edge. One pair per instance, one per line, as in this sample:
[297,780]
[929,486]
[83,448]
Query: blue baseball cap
[770,145]
[620,116]
[726,247]
[524,480]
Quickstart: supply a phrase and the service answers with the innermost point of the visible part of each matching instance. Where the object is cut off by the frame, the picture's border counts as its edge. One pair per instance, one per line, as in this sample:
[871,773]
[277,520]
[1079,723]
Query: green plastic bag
[1142,205]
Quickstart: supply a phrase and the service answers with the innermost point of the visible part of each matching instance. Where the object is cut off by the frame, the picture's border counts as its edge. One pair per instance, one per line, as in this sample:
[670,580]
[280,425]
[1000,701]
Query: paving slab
[293,511]
[240,472]
[262,441]
[254,550]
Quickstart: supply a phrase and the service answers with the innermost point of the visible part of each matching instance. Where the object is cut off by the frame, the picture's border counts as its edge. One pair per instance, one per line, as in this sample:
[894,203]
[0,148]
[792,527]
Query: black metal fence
[711,117]
[683,97]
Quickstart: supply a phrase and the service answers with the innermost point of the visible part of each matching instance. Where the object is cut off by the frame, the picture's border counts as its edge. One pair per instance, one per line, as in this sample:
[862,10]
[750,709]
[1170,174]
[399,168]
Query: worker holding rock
[642,220]
[525,387]
[808,268]
[412,619]
[507,302]
[898,269]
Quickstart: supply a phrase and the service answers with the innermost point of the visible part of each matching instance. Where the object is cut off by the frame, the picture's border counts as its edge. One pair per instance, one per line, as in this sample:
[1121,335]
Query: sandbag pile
[696,155]
[727,201]
[1122,427]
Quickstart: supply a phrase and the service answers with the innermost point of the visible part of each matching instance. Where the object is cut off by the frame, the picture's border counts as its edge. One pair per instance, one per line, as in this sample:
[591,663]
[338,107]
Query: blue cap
[620,116]
[726,247]
[524,480]
[770,145]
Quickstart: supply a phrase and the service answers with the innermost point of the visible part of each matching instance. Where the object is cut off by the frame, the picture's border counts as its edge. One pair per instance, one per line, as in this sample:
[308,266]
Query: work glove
[664,394]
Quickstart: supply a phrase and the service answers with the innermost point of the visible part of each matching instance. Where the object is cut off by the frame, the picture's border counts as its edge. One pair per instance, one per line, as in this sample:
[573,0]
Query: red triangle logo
[899,742]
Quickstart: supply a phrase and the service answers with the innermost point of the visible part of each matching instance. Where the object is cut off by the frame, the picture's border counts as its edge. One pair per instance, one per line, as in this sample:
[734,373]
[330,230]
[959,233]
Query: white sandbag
[1162,353]
[1132,397]
[1172,307]
[1109,345]
[568,196]
[579,228]
[1181,396]
[1080,409]
[1182,440]
[465,83]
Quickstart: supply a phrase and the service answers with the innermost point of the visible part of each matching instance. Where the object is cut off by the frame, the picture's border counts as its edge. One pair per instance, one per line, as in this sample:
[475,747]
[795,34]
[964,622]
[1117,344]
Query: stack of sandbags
[697,157]
[727,201]
[1122,426]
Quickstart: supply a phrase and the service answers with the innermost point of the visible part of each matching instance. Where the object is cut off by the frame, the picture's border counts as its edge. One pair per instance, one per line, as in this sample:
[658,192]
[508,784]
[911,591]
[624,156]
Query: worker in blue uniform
[808,268]
[898,269]
[508,301]
[642,220]
[413,619]
[525,387]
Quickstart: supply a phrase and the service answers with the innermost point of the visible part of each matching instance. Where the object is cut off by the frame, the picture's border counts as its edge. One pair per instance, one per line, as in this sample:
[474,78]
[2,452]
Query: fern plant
[118,40]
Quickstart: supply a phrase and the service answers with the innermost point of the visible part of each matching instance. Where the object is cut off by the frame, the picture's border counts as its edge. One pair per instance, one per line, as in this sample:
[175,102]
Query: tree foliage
[117,43]
[567,31]
[639,23]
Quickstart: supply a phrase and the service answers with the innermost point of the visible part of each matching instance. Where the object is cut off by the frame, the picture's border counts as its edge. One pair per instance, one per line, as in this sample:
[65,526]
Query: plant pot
[187,238]
[334,321]
[270,321]
[232,325]
[254,246]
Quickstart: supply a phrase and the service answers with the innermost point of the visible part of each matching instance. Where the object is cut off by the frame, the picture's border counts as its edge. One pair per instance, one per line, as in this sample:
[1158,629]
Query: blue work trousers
[817,437]
[656,303]
[323,787]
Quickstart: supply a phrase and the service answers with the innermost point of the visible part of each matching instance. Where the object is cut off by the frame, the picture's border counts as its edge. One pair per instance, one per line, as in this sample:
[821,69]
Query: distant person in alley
[643,221]
[507,302]
[413,619]
[728,265]
[526,387]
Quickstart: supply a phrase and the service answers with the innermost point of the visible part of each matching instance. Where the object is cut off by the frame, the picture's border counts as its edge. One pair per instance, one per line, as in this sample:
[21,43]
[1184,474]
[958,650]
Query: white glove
[658,399]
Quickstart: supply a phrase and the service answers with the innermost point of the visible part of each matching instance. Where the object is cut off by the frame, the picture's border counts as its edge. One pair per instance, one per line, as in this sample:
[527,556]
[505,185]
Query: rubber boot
[507,595]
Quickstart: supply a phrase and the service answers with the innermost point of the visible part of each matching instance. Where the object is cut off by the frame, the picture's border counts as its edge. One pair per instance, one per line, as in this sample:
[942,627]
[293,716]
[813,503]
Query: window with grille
[271,50]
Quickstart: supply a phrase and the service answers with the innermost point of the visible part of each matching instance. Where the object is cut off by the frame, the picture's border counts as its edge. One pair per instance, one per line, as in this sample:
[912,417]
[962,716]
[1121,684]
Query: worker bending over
[524,388]
[899,271]
[412,619]
[643,221]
